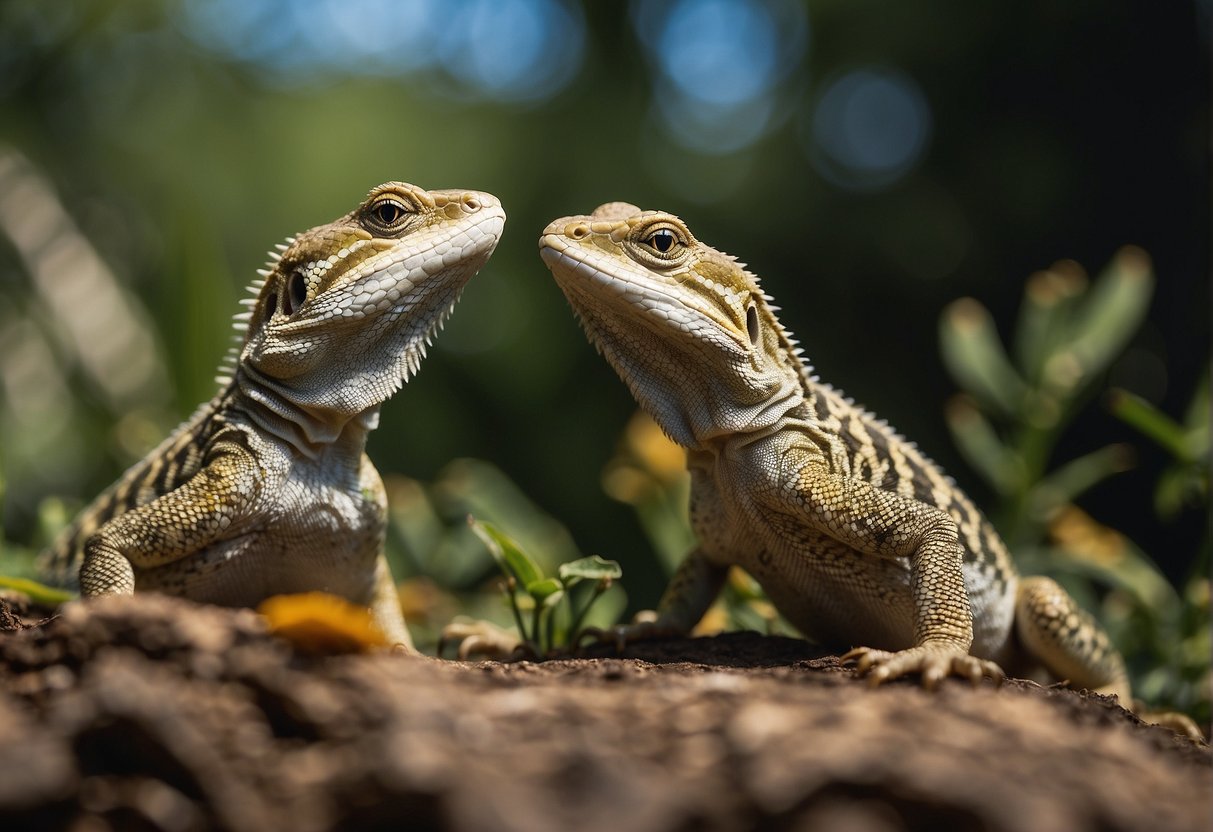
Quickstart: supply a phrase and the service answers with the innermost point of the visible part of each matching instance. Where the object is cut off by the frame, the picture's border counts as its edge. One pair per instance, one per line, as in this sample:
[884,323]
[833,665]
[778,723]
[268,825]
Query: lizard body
[856,536]
[267,488]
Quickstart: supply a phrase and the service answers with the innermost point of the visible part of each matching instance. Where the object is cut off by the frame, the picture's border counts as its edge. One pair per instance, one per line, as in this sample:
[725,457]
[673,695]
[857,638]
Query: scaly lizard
[856,536]
[267,488]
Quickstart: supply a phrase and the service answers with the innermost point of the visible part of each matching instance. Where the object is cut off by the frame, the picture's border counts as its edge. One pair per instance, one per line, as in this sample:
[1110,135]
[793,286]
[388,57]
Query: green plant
[1014,410]
[545,623]
[1008,425]
[1184,680]
[440,562]
[1185,483]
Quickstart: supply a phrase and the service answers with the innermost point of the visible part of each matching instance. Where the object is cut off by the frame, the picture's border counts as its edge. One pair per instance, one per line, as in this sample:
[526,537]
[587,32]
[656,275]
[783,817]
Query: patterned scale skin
[857,537]
[267,488]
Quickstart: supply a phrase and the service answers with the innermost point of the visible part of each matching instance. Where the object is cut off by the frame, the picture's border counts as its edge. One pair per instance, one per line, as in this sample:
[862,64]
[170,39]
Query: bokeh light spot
[719,51]
[520,50]
[719,65]
[509,50]
[372,36]
[869,128]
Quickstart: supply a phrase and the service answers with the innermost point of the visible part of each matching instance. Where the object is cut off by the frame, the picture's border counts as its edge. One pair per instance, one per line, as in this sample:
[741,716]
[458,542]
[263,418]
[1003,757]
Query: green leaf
[976,359]
[981,447]
[1179,487]
[543,589]
[1072,479]
[1196,420]
[511,558]
[41,593]
[1138,413]
[593,568]
[1111,312]
[1047,301]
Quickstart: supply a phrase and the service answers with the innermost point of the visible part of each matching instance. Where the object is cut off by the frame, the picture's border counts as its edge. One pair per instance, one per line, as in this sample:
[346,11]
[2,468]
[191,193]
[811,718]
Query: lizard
[267,488]
[857,537]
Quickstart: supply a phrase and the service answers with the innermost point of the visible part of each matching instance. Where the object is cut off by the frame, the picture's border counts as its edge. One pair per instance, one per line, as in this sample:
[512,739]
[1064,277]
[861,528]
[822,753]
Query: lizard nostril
[578,231]
[471,203]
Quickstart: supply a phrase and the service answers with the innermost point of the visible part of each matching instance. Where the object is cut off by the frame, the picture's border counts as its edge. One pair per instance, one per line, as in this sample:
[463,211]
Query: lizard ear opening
[751,324]
[271,305]
[296,293]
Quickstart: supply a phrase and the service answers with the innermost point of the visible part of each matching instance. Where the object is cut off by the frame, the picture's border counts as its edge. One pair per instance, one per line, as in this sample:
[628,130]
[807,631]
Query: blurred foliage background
[872,161]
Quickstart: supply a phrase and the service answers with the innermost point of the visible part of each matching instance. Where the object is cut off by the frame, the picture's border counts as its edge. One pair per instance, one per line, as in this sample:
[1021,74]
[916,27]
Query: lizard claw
[479,638]
[934,662]
[645,627]
[1181,724]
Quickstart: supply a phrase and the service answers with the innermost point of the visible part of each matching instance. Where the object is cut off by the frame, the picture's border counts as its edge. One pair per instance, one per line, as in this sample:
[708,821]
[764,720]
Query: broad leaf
[593,568]
[507,553]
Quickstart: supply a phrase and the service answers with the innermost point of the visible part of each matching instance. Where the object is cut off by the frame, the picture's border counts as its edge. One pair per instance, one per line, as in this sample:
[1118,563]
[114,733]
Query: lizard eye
[388,213]
[663,240]
[751,324]
[296,293]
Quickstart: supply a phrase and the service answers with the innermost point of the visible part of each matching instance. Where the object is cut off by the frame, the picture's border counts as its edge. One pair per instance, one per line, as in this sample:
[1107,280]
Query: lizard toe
[478,638]
[865,660]
[621,635]
[933,663]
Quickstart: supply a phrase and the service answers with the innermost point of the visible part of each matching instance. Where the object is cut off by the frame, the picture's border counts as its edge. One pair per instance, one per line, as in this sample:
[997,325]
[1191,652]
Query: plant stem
[509,593]
[575,627]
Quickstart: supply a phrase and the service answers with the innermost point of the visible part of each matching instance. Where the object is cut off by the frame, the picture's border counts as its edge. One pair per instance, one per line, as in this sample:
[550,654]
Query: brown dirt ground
[153,713]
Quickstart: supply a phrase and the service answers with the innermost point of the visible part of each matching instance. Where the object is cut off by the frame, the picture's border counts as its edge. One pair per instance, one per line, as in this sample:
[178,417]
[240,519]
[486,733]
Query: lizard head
[686,326]
[347,309]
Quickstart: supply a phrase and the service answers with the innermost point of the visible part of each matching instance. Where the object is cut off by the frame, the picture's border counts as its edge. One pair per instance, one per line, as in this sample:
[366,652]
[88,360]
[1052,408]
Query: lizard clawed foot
[933,661]
[1181,724]
[481,638]
[644,627]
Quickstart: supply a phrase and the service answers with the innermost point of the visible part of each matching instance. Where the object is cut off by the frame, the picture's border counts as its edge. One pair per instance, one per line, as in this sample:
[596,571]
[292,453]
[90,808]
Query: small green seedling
[531,594]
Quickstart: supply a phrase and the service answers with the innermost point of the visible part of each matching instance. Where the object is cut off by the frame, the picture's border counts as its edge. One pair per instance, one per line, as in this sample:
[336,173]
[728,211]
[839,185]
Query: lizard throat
[308,430]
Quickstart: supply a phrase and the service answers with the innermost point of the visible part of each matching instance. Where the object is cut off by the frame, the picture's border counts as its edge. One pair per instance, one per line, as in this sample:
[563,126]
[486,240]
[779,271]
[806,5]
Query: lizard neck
[309,430]
[722,423]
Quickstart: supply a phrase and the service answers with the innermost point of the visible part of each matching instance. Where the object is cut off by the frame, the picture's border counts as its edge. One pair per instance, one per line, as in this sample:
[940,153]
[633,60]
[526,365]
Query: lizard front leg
[879,523]
[172,526]
[385,609]
[690,592]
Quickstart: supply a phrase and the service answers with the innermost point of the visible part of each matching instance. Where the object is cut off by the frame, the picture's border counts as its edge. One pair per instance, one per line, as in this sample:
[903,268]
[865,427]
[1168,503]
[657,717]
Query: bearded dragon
[857,537]
[267,488]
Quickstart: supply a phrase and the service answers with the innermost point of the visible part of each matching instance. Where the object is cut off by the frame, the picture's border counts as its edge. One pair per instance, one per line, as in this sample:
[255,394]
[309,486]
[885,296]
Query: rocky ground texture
[153,713]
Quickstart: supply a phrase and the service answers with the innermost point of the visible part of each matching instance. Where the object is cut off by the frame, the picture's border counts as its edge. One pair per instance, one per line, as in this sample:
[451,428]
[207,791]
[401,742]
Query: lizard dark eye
[388,212]
[662,239]
[751,324]
[271,305]
[296,293]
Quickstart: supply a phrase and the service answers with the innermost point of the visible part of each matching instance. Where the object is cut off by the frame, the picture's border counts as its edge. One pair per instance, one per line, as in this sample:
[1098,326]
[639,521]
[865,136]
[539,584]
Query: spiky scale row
[856,535]
[266,488]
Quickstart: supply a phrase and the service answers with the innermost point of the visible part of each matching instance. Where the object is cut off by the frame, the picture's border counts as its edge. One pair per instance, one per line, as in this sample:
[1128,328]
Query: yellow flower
[323,624]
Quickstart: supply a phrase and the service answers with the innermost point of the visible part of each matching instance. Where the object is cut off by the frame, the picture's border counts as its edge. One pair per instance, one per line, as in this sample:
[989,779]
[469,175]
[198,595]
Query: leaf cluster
[543,606]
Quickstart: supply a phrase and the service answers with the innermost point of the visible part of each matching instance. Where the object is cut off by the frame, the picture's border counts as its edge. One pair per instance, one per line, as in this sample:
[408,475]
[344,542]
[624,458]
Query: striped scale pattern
[858,538]
[267,488]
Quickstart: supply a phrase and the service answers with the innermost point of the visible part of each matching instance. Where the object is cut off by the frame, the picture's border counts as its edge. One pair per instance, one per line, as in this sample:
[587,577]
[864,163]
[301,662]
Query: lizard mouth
[587,279]
[395,279]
